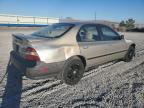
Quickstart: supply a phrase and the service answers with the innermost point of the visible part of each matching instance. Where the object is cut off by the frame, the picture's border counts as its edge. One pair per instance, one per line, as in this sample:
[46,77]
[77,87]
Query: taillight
[29,49]
[31,54]
[32,58]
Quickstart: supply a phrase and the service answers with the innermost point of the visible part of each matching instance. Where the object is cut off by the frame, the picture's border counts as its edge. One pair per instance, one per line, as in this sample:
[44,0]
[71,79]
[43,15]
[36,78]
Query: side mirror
[122,36]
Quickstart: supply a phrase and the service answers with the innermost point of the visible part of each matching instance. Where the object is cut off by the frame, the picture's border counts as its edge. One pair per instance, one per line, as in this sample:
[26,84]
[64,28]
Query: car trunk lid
[23,43]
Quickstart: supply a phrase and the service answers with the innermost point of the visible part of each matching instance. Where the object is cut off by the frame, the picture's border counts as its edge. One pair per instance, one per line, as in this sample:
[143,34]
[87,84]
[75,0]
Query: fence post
[17,20]
[47,21]
[34,19]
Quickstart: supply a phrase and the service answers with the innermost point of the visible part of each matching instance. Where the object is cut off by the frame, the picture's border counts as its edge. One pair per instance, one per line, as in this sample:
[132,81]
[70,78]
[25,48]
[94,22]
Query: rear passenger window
[109,34]
[88,33]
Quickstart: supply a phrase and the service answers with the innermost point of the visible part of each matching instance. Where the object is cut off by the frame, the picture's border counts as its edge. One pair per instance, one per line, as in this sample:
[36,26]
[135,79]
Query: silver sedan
[66,50]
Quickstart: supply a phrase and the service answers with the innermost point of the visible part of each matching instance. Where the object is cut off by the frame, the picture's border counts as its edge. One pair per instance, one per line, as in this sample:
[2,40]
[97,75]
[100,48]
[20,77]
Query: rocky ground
[113,85]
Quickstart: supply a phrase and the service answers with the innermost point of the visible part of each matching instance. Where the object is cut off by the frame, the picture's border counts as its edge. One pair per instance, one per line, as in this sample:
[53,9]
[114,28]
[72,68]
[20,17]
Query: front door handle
[85,47]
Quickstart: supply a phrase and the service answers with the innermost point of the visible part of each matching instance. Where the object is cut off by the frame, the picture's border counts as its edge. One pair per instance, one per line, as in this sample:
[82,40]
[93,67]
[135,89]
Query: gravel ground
[113,85]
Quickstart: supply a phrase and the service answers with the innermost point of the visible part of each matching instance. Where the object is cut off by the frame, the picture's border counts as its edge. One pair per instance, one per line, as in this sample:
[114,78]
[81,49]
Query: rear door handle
[85,47]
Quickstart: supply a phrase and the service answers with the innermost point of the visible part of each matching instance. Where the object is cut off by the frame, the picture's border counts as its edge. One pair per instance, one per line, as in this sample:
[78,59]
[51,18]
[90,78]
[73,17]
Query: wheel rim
[73,73]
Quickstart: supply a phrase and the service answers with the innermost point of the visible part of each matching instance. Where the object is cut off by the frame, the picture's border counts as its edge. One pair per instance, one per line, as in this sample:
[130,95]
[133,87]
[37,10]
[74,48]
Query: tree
[130,24]
[122,24]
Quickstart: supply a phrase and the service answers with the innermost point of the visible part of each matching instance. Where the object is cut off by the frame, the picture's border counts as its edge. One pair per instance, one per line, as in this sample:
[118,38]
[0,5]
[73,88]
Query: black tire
[73,71]
[130,54]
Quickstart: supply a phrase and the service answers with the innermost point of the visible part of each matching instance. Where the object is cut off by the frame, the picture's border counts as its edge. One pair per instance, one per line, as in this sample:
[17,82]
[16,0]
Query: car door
[115,46]
[91,45]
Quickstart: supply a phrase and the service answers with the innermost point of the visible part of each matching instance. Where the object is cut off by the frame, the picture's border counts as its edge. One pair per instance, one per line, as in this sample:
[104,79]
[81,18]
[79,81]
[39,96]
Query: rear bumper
[39,70]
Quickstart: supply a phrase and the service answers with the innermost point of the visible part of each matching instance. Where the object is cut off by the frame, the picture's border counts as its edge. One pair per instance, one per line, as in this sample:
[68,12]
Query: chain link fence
[26,20]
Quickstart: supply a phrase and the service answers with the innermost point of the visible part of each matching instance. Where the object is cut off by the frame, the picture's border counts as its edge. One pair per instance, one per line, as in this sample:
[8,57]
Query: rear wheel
[73,71]
[130,54]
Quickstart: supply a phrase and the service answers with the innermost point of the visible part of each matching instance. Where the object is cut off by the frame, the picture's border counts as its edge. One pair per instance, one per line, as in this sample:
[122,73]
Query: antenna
[95,16]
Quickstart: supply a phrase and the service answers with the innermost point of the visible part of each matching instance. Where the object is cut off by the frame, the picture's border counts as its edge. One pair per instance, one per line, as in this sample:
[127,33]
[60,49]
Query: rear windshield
[54,31]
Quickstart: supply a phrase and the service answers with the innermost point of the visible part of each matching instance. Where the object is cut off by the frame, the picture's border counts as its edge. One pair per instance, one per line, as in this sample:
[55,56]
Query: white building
[18,19]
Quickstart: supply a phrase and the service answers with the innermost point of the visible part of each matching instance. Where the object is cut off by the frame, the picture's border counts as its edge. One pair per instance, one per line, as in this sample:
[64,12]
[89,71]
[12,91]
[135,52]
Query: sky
[113,10]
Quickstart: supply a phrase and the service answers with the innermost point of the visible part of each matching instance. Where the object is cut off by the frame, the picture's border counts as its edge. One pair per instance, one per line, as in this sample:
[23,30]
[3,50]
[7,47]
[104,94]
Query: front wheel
[73,71]
[130,54]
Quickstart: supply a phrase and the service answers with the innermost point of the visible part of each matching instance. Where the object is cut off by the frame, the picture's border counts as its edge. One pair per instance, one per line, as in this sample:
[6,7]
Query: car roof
[83,23]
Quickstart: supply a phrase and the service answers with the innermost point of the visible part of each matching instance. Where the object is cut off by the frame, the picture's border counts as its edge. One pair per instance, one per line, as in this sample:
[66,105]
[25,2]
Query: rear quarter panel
[60,49]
